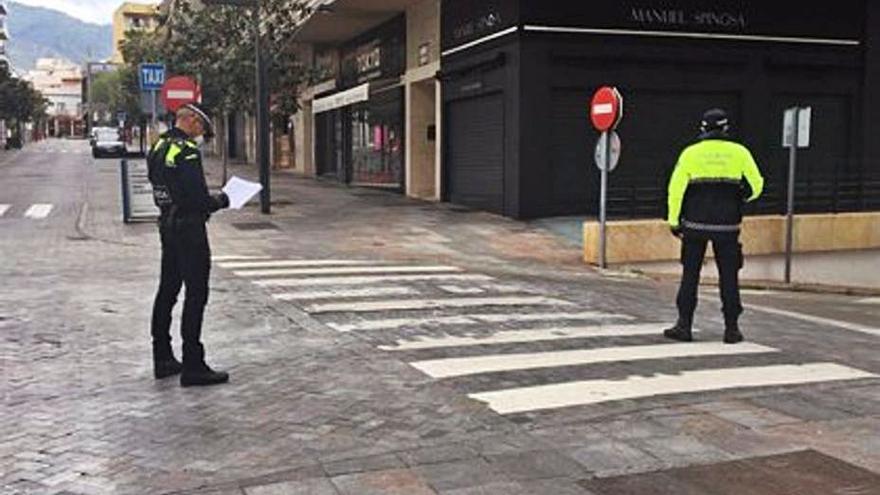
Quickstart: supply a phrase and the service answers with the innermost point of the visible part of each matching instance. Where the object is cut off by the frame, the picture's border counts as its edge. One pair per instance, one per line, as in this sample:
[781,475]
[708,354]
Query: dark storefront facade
[359,126]
[518,76]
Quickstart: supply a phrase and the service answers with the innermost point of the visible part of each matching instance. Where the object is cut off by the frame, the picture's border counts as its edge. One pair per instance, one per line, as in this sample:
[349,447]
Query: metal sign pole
[262,154]
[603,196]
[789,221]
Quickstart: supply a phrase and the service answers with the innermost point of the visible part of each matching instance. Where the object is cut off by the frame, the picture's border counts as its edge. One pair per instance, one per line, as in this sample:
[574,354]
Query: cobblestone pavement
[379,345]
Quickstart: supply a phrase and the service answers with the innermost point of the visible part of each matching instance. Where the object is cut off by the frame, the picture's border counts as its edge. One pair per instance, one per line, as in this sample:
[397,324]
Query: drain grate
[255,226]
[805,473]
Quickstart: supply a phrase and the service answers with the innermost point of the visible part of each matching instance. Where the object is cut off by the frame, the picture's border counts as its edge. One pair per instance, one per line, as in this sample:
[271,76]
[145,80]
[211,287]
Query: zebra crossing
[510,344]
[38,211]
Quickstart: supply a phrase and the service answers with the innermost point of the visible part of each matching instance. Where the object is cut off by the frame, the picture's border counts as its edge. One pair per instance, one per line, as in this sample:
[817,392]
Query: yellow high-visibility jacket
[709,185]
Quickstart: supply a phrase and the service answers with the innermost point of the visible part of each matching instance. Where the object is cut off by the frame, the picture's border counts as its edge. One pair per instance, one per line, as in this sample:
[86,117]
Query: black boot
[681,331]
[164,362]
[200,373]
[732,335]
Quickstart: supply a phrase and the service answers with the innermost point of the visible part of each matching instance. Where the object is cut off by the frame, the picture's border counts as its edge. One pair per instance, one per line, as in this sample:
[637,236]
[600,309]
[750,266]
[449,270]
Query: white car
[107,143]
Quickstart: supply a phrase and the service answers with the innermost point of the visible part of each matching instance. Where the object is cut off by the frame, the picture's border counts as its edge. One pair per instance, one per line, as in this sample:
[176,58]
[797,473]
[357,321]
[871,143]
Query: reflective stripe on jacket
[706,190]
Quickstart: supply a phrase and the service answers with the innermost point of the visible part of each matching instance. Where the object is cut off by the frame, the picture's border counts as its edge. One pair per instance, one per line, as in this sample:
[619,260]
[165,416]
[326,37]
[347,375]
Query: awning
[342,98]
[345,19]
[354,95]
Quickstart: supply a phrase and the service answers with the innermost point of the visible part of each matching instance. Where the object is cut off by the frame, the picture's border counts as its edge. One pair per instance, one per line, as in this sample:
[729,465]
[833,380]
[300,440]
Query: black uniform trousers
[186,260]
[728,260]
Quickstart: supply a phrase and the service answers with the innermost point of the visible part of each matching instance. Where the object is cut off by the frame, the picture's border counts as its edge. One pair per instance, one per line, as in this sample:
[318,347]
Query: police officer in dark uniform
[180,191]
[711,181]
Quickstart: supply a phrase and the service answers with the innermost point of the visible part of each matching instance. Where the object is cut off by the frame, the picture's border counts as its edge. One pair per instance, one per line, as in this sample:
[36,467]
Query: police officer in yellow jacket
[181,193]
[711,181]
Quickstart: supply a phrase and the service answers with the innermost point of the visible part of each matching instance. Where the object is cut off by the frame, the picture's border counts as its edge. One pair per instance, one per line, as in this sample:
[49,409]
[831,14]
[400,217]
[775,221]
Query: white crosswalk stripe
[869,300]
[38,211]
[368,280]
[247,264]
[417,304]
[239,257]
[473,319]
[4,208]
[282,272]
[445,368]
[345,294]
[586,392]
[527,335]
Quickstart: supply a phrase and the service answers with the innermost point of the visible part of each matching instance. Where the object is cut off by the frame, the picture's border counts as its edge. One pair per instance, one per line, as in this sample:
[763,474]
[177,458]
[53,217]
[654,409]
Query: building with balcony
[60,82]
[132,17]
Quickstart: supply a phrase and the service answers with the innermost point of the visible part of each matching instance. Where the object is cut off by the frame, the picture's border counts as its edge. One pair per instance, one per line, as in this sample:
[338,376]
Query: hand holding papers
[240,191]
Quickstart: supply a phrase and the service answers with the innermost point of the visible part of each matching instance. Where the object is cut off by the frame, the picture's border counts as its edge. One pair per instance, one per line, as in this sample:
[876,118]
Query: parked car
[107,143]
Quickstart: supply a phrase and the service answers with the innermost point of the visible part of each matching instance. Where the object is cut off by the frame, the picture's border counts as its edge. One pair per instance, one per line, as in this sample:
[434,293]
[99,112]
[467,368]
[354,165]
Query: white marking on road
[38,211]
[869,300]
[516,400]
[416,304]
[583,315]
[332,294]
[458,289]
[819,320]
[292,263]
[289,272]
[241,257]
[302,282]
[474,319]
[449,367]
[4,209]
[528,335]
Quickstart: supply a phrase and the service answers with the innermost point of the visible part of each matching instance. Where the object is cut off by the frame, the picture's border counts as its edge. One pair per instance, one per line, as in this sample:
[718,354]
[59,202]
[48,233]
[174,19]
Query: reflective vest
[709,185]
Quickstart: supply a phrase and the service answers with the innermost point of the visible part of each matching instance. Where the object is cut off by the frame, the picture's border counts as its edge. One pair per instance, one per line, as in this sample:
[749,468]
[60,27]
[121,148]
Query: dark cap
[714,120]
[203,114]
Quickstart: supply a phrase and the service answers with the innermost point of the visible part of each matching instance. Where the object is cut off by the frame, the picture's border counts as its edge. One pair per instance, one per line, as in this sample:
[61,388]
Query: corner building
[518,77]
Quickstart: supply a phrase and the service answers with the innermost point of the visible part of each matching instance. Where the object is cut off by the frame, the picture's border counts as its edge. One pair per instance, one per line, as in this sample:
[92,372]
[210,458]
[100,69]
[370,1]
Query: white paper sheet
[240,191]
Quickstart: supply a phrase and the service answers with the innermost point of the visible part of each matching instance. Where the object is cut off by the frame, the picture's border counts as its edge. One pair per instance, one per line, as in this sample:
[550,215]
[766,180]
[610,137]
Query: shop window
[377,147]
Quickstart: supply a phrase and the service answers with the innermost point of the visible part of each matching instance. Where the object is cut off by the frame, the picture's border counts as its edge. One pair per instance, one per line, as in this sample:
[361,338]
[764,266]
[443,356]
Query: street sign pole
[606,111]
[789,219]
[603,197]
[155,111]
[262,117]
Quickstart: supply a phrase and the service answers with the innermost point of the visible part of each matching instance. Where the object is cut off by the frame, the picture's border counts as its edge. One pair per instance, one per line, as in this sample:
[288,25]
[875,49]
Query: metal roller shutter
[476,152]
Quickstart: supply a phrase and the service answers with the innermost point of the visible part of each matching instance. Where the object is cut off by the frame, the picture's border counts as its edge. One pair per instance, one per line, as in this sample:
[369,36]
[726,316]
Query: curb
[757,284]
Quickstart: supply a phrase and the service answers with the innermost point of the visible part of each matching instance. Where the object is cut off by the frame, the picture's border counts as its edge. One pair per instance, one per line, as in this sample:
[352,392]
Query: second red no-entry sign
[606,109]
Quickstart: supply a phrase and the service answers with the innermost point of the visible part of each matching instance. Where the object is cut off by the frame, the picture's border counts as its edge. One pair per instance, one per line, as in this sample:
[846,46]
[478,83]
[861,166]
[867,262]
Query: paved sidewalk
[325,400]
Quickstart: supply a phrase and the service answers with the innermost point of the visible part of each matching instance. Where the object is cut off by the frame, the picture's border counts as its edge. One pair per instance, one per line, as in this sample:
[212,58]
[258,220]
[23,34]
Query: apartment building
[132,17]
[61,83]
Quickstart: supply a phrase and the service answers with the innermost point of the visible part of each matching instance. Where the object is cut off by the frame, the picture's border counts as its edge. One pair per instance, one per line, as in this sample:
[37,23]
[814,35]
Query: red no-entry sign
[178,91]
[606,109]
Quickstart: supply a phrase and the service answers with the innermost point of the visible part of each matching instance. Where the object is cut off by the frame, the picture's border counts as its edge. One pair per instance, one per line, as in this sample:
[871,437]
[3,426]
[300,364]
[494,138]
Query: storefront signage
[688,19]
[380,53]
[369,60]
[464,21]
[341,99]
[839,22]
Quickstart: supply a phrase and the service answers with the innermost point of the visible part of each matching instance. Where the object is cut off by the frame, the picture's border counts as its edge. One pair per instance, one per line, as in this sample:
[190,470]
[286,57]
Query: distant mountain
[36,32]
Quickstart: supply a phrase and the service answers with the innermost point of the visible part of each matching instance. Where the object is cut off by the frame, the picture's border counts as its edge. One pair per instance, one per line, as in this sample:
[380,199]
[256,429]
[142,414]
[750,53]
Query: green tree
[215,44]
[19,101]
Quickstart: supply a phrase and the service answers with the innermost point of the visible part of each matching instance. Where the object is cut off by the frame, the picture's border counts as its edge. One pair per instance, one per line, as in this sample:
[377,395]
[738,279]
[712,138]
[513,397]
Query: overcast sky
[96,11]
